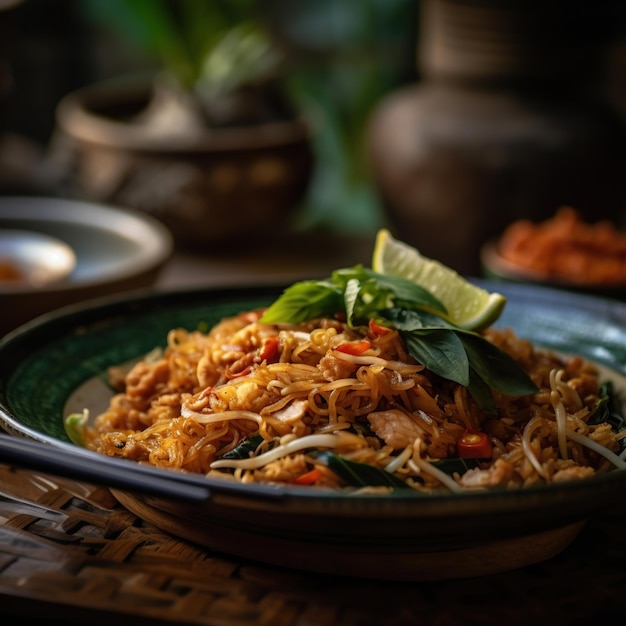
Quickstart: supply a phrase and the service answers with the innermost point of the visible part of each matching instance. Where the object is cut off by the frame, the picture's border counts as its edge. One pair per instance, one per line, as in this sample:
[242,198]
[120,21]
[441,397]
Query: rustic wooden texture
[78,557]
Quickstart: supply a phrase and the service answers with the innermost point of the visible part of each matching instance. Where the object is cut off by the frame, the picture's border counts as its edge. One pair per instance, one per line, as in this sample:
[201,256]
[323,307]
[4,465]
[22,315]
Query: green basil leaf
[350,297]
[495,366]
[609,410]
[372,298]
[359,474]
[304,301]
[409,319]
[244,449]
[340,277]
[481,392]
[441,351]
[455,465]
[405,291]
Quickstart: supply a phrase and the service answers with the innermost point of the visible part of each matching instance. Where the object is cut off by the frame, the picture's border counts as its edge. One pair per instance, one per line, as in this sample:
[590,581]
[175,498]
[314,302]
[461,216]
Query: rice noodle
[400,460]
[375,360]
[617,460]
[204,418]
[421,465]
[533,424]
[310,441]
[559,409]
[205,394]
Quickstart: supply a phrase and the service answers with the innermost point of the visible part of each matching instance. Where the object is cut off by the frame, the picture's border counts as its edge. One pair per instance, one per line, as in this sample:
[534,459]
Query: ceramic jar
[500,127]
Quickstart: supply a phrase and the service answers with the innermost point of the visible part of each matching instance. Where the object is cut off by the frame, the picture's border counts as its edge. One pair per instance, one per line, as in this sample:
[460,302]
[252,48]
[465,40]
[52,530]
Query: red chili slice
[354,347]
[269,351]
[309,478]
[473,444]
[377,329]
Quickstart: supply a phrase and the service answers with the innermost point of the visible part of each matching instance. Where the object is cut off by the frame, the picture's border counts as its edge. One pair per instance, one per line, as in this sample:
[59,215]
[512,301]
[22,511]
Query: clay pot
[214,187]
[454,167]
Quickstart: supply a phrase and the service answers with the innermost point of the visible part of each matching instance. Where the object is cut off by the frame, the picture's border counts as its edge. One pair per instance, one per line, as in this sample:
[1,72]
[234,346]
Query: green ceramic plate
[57,363]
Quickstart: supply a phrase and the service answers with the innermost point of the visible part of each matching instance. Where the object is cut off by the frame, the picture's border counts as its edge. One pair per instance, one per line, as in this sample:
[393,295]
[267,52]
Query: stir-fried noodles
[325,404]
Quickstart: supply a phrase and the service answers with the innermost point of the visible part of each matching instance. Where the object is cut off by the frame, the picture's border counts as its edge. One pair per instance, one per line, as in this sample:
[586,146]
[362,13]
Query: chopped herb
[244,449]
[455,465]
[609,410]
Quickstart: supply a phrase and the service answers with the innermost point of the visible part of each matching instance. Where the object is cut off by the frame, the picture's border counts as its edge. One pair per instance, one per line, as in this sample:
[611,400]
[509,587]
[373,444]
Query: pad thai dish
[361,383]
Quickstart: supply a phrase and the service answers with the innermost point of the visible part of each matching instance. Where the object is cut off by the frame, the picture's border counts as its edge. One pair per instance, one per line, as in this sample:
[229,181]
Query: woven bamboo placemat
[78,557]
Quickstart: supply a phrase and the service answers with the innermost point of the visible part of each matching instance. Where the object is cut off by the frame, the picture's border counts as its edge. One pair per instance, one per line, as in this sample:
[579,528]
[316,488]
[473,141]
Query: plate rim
[25,208]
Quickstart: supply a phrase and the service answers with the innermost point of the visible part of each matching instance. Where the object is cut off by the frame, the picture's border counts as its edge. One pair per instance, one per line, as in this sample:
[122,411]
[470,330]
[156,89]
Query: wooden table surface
[295,258]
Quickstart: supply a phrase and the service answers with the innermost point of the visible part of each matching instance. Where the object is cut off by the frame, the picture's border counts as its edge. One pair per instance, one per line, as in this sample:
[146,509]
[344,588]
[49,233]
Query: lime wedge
[469,306]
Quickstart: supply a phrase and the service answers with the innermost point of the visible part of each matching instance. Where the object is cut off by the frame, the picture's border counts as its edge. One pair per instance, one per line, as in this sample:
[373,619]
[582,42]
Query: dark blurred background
[446,119]
[342,58]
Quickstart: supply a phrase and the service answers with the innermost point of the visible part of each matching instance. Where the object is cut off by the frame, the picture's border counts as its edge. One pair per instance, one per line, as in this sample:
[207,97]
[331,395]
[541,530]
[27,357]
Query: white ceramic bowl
[32,259]
[115,250]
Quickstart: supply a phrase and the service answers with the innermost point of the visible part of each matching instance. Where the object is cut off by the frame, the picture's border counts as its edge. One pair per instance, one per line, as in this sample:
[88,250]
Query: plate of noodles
[327,446]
